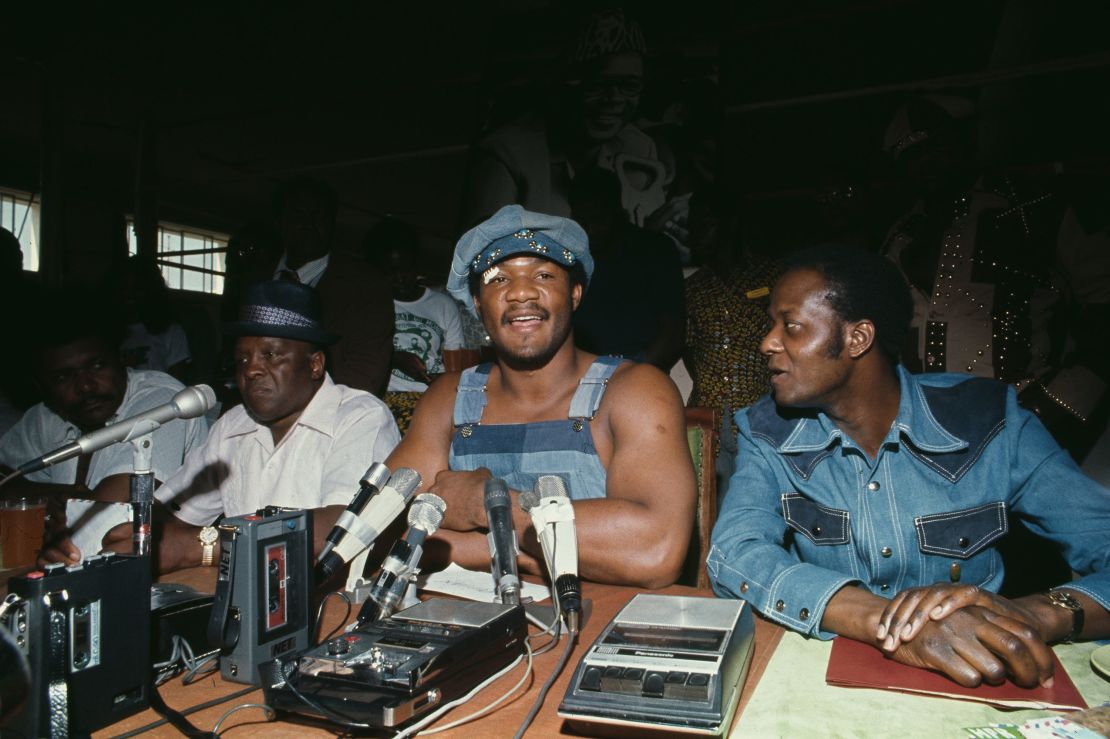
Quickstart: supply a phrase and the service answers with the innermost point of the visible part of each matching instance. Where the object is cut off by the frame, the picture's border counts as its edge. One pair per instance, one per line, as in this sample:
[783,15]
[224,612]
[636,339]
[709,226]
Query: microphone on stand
[371,522]
[402,565]
[369,486]
[188,403]
[502,541]
[553,518]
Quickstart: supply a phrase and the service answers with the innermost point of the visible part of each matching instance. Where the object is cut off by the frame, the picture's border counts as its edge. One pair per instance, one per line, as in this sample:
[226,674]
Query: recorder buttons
[632,680]
[645,682]
[653,684]
[675,684]
[611,679]
[591,679]
[697,687]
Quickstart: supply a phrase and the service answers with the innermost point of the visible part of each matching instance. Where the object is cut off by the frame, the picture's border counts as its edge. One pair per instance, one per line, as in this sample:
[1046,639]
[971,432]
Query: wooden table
[606,601]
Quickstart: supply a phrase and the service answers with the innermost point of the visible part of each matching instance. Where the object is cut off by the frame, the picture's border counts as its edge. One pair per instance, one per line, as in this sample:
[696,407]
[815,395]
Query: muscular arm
[650,494]
[425,449]
[639,533]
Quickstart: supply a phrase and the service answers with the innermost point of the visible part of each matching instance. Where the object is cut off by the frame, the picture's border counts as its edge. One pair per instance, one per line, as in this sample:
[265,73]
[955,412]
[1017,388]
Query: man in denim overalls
[615,431]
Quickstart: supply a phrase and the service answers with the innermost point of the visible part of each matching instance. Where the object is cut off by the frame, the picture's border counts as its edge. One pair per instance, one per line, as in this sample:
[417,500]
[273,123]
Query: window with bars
[190,258]
[19,213]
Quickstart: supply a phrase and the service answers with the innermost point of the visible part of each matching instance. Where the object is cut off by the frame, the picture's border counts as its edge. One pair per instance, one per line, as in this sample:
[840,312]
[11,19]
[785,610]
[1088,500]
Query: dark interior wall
[382,102]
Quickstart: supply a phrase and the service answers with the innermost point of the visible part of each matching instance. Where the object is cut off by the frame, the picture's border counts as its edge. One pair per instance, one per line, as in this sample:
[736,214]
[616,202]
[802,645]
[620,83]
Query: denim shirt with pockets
[807,512]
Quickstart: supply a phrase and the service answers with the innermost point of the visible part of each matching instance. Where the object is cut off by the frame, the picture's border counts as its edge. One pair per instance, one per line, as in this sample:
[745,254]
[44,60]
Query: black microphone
[401,566]
[368,487]
[502,541]
[189,403]
[553,518]
[375,517]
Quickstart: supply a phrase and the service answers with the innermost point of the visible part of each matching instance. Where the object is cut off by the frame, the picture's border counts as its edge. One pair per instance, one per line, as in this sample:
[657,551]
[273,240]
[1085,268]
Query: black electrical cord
[571,639]
[187,711]
[320,612]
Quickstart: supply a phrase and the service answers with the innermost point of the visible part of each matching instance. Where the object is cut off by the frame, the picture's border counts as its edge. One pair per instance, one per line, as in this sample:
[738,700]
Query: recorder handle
[223,631]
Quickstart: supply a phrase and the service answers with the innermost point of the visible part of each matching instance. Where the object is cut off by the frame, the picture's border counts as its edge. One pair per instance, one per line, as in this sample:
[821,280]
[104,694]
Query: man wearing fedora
[614,430]
[298,440]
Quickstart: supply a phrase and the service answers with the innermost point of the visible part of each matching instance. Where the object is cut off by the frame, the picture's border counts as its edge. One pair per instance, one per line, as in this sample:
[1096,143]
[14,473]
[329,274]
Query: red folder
[854,664]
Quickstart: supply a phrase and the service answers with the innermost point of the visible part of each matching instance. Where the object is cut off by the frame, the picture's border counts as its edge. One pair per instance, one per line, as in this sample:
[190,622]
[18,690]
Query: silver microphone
[188,403]
[502,541]
[402,564]
[372,521]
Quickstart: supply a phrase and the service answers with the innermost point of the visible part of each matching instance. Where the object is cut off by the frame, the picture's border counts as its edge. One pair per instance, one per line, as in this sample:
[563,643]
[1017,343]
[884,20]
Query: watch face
[209,535]
[1064,599]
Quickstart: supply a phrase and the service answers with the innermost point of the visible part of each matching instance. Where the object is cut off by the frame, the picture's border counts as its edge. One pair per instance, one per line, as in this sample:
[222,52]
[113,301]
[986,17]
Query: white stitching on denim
[843,517]
[1000,510]
[954,476]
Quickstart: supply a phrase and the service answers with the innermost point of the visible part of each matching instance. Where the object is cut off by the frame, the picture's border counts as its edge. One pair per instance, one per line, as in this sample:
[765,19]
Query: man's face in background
[611,96]
[82,381]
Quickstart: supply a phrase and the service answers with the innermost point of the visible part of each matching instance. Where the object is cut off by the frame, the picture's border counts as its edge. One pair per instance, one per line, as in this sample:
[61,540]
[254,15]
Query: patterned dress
[726,320]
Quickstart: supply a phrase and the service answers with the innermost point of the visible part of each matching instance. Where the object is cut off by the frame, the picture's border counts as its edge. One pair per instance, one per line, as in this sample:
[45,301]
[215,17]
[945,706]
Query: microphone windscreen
[426,512]
[377,476]
[405,481]
[496,494]
[551,486]
[194,401]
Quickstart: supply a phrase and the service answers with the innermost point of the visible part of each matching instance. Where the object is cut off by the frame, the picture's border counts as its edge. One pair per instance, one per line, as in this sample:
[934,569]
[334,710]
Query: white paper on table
[472,585]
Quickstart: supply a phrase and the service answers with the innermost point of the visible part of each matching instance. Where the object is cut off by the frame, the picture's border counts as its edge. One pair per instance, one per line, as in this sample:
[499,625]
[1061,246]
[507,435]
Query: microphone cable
[546,687]
[320,612]
[478,688]
[10,476]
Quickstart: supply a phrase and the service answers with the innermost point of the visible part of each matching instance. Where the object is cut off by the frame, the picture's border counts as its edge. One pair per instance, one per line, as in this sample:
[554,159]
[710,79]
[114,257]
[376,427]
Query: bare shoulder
[425,444]
[640,395]
[642,385]
[437,405]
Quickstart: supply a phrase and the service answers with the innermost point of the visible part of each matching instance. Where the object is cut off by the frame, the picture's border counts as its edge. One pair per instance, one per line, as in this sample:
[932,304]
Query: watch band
[208,545]
[1062,599]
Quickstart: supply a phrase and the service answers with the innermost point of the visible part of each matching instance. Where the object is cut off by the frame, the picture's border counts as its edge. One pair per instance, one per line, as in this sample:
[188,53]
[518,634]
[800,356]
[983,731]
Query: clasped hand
[968,634]
[463,492]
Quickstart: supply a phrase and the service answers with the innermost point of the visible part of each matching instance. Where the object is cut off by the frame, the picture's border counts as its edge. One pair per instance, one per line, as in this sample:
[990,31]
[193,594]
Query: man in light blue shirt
[869,502]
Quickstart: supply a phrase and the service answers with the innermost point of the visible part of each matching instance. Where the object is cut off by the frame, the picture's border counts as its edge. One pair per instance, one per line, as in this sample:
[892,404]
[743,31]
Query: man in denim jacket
[868,502]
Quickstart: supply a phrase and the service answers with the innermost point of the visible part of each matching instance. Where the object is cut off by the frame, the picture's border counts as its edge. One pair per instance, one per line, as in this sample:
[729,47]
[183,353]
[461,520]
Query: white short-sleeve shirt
[318,463]
[41,430]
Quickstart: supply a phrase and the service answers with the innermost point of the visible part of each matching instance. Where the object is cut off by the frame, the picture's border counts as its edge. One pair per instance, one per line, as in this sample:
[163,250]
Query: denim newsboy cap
[512,231]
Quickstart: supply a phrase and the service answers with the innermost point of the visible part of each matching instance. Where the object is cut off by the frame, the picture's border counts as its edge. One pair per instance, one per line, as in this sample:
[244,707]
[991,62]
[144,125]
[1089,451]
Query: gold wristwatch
[1063,599]
[208,537]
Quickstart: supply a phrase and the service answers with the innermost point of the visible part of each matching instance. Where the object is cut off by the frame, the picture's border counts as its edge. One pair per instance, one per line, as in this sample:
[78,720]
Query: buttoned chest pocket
[961,542]
[823,526]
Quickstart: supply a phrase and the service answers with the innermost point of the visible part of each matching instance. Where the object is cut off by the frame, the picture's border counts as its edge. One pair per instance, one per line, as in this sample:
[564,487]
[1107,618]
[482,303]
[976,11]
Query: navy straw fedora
[284,310]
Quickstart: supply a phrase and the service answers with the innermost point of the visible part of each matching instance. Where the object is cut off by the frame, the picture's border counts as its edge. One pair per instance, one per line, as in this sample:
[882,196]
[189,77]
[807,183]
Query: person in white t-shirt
[427,327]
[298,440]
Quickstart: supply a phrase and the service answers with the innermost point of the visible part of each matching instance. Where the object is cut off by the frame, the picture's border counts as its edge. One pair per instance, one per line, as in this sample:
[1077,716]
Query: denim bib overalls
[520,452]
